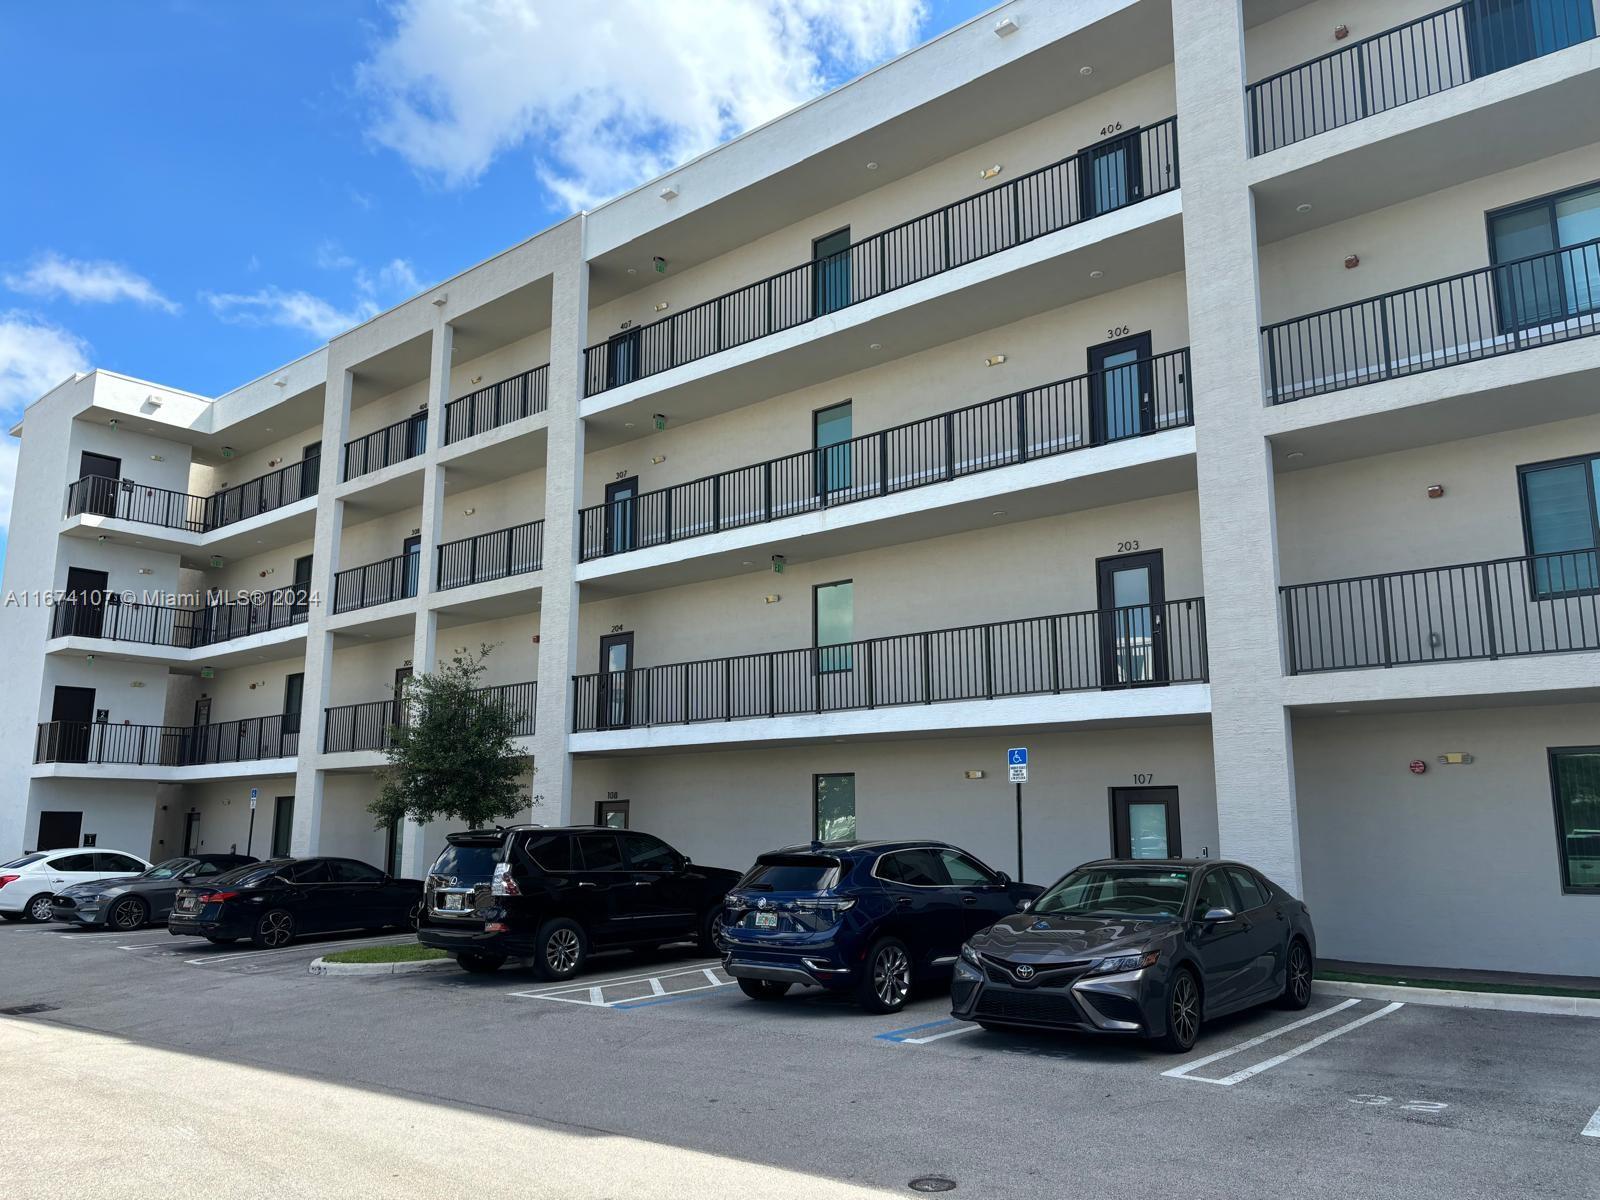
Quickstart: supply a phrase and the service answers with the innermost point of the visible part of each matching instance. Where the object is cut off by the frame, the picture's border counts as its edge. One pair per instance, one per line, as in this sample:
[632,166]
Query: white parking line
[591,992]
[1592,1129]
[1183,1072]
[319,947]
[1180,1072]
[608,981]
[934,1037]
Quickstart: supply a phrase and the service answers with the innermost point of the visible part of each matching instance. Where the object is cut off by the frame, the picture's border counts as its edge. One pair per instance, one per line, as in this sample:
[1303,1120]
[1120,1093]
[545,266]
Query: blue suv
[870,918]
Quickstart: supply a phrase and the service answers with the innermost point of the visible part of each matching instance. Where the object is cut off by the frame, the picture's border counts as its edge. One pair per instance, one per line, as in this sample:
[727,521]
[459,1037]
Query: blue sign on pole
[1017,756]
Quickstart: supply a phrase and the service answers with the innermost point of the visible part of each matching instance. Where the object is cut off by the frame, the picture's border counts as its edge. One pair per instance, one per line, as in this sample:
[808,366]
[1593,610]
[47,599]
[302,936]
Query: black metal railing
[264,493]
[387,446]
[1131,167]
[1106,648]
[1431,54]
[514,551]
[1517,305]
[376,583]
[110,616]
[1504,608]
[247,740]
[370,726]
[1130,400]
[129,500]
[498,404]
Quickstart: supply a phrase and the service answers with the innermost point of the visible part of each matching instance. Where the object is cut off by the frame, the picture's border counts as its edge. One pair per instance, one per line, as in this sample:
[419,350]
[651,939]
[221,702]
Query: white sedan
[27,883]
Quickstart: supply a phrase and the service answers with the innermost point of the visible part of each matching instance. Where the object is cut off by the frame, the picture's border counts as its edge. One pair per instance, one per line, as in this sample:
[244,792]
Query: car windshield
[248,876]
[1116,892]
[469,862]
[792,873]
[21,862]
[170,869]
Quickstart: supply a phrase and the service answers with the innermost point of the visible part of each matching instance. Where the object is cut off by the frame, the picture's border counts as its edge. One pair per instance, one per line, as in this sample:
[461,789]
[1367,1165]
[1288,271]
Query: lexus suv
[869,918]
[551,895]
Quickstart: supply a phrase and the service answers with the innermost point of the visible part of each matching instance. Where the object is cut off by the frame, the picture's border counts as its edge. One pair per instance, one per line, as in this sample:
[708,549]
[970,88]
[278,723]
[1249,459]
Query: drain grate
[932,1183]
[26,1010]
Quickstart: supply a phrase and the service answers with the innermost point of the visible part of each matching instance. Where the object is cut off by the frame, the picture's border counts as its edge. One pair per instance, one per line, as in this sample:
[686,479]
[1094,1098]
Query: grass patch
[1455,985]
[405,952]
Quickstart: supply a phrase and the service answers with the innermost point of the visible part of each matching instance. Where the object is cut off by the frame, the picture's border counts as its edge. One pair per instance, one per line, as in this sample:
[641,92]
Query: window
[613,814]
[1552,264]
[834,623]
[203,869]
[550,852]
[347,870]
[1117,891]
[1561,518]
[1503,33]
[964,871]
[649,854]
[315,871]
[75,862]
[1214,892]
[830,437]
[834,807]
[599,852]
[917,868]
[117,862]
[830,271]
[792,873]
[1575,781]
[1251,893]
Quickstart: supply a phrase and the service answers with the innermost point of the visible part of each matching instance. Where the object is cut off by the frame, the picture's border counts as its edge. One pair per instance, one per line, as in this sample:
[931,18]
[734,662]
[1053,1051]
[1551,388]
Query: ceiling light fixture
[1086,71]
[440,300]
[872,166]
[670,192]
[1097,274]
[990,172]
[1302,208]
[1005,27]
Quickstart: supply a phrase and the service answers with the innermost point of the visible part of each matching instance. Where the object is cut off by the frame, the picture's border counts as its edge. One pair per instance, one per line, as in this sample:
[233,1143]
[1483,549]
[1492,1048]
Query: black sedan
[1140,947]
[129,902]
[273,902]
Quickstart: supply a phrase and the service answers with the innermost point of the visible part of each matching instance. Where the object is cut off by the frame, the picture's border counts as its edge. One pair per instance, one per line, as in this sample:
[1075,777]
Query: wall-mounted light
[773,598]
[670,192]
[994,360]
[441,299]
[1005,27]
[1455,759]
[467,512]
[135,683]
[144,571]
[102,538]
[1340,32]
[268,571]
[157,458]
[274,462]
[475,381]
[663,305]
[975,774]
[1352,261]
[152,401]
[990,172]
[658,459]
[1435,490]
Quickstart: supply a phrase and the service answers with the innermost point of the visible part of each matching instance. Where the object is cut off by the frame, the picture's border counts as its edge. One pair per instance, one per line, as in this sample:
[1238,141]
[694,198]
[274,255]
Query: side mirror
[1024,905]
[1216,916]
[1005,880]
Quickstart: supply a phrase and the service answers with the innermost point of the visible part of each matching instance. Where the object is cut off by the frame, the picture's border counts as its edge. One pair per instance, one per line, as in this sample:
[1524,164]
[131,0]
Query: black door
[391,847]
[282,825]
[1503,33]
[300,594]
[59,830]
[622,510]
[405,585]
[83,607]
[1120,401]
[830,272]
[600,878]
[664,896]
[830,438]
[929,907]
[416,434]
[1225,945]
[202,711]
[402,710]
[1144,823]
[100,475]
[191,833]
[984,898]
[622,358]
[71,724]
[1132,620]
[613,814]
[310,469]
[615,686]
[1109,174]
[294,691]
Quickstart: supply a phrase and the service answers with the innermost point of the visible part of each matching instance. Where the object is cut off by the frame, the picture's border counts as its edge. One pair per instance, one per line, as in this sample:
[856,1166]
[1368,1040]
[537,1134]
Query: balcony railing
[1131,167]
[248,740]
[1517,305]
[387,446]
[370,726]
[376,583]
[1509,607]
[106,615]
[514,551]
[1131,400]
[264,493]
[1420,58]
[127,500]
[498,404]
[1085,651]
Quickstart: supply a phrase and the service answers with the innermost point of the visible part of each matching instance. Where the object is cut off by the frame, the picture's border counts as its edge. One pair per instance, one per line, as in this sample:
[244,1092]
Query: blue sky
[199,192]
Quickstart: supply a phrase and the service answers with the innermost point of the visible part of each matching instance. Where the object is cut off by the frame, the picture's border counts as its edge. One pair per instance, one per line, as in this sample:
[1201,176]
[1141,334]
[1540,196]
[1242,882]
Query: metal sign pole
[1019,833]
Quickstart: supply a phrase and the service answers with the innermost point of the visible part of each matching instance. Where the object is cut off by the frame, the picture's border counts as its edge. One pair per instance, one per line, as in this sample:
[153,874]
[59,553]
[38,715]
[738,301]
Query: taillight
[216,897]
[504,884]
[5,879]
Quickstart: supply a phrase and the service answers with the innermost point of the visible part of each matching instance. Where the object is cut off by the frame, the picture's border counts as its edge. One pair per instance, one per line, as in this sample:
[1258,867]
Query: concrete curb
[321,966]
[1562,1006]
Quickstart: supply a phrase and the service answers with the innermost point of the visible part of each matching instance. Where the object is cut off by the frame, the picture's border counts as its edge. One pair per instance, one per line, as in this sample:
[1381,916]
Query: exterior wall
[120,819]
[502,363]
[499,505]
[206,479]
[1306,32]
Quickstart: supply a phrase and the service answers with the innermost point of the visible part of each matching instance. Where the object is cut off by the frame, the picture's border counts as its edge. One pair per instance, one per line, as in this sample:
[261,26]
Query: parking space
[155,945]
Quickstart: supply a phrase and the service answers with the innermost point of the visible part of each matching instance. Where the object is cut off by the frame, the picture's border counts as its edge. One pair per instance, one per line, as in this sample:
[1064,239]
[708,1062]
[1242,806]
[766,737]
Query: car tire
[128,914]
[11,916]
[413,917]
[37,910]
[274,930]
[561,949]
[1297,972]
[886,977]
[706,936]
[480,964]
[764,989]
[1182,1013]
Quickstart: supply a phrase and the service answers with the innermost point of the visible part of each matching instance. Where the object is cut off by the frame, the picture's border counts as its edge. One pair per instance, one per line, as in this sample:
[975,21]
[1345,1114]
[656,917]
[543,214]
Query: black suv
[550,895]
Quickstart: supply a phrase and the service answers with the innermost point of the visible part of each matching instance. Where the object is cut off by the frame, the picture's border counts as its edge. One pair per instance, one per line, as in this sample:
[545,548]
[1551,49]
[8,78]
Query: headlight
[969,954]
[1124,962]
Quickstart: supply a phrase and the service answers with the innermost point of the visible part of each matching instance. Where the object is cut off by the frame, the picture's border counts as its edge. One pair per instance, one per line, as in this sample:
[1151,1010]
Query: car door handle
[641,883]
[587,884]
[904,902]
[969,900]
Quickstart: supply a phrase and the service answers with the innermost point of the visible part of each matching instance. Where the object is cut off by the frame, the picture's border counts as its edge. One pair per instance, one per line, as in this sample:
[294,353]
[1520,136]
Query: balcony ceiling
[503,320]
[387,372]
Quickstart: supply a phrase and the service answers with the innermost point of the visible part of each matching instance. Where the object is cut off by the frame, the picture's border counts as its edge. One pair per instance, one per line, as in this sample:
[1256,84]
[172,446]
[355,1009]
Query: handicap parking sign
[1017,757]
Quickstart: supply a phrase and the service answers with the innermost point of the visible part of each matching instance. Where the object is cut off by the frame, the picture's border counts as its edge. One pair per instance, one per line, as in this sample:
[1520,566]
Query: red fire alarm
[1418,766]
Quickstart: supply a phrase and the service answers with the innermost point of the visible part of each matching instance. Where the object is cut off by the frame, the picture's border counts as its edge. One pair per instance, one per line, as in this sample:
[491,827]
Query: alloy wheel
[561,951]
[891,976]
[1299,973]
[39,909]
[276,929]
[128,914]
[1185,1009]
[414,917]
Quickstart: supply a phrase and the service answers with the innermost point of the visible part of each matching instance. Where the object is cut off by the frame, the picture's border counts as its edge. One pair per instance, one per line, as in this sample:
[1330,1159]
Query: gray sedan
[127,902]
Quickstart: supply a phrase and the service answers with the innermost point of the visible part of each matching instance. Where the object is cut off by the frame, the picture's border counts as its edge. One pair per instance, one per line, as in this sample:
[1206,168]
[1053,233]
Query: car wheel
[1297,972]
[128,914]
[480,964]
[1183,1012]
[707,936]
[886,977]
[38,909]
[414,916]
[274,929]
[764,989]
[562,948]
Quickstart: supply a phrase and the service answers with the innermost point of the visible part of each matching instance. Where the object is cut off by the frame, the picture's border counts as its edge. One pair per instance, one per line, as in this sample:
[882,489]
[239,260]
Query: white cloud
[34,357]
[614,94]
[395,281]
[85,282]
[331,257]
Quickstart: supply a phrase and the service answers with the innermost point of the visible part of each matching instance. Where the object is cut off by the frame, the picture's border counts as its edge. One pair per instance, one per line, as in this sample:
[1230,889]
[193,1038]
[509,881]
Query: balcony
[392,444]
[1518,305]
[1431,54]
[110,617]
[518,550]
[1131,400]
[496,405]
[127,500]
[248,740]
[1104,178]
[1504,608]
[376,583]
[1119,648]
[369,726]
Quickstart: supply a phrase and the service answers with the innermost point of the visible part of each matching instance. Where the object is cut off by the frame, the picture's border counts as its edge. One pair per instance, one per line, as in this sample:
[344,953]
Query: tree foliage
[450,755]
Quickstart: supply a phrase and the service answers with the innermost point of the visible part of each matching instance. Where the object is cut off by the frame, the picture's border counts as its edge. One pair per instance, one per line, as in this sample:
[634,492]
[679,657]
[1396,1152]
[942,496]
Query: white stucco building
[1200,394]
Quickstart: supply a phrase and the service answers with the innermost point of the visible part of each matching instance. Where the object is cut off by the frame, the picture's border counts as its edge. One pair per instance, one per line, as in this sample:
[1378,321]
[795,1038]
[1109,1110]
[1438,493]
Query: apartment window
[1575,783]
[834,807]
[1561,521]
[833,612]
[1551,248]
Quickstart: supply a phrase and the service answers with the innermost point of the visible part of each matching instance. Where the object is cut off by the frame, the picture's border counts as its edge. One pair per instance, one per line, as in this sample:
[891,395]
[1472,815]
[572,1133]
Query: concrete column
[558,618]
[1238,541]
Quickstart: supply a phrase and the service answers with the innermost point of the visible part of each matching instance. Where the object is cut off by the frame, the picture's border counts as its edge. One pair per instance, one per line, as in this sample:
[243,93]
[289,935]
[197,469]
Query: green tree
[451,756]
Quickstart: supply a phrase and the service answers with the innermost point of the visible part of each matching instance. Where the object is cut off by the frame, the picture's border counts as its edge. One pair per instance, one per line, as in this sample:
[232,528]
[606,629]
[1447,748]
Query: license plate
[456,902]
[766,920]
[187,904]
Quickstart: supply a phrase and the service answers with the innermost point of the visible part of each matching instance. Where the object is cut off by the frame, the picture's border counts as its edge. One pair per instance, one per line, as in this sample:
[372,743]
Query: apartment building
[1198,394]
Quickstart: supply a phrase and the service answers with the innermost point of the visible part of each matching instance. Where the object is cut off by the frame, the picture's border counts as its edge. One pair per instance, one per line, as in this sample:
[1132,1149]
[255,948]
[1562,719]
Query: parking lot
[1352,1097]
